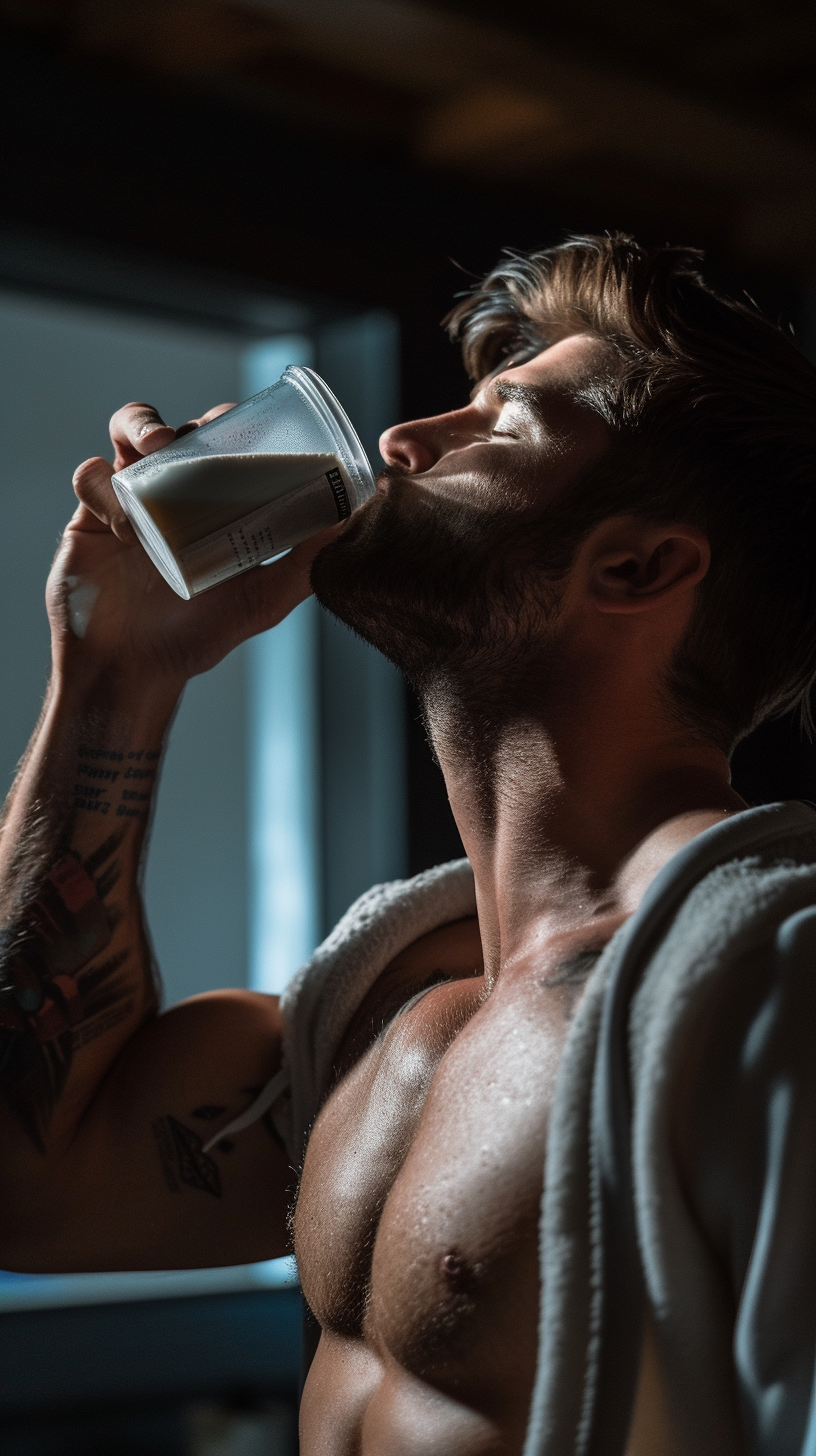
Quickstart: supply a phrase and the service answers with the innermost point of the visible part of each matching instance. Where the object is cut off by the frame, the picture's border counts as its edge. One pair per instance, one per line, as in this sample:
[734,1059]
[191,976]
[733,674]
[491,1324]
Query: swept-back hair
[712,411]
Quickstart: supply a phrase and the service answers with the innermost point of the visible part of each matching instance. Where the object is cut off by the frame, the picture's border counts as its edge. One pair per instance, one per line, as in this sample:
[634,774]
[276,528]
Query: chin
[367,577]
[441,588]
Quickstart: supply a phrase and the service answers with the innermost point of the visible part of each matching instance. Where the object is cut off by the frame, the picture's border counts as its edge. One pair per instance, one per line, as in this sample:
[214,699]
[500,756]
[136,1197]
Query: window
[282,795]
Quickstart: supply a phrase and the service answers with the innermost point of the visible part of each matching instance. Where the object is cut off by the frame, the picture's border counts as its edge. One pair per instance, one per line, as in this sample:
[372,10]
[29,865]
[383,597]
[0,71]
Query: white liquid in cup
[248,484]
[218,514]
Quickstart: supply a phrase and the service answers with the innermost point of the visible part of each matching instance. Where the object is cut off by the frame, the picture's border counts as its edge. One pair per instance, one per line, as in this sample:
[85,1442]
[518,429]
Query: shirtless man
[536,561]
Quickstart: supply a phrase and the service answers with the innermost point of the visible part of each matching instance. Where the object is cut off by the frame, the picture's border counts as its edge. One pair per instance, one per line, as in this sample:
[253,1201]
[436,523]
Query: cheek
[510,479]
[533,480]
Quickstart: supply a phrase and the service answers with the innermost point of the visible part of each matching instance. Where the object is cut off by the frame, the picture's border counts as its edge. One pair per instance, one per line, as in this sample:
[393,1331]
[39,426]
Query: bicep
[146,1181]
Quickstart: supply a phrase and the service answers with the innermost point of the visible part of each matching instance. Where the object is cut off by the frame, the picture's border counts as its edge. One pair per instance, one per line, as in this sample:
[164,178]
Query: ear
[636,565]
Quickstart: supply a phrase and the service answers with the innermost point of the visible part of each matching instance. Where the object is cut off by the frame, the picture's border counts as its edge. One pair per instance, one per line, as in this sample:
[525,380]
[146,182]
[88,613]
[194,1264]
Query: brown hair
[711,409]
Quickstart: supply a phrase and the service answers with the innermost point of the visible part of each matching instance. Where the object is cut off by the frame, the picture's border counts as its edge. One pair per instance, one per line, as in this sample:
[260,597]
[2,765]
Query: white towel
[728,924]
[715,974]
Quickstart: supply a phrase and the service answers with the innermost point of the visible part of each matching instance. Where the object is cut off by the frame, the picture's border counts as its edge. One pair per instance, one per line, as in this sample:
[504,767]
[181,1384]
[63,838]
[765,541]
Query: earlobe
[660,563]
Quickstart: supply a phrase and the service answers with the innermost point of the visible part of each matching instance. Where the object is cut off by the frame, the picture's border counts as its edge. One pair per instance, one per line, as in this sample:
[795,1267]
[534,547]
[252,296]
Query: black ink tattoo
[182,1157]
[102,772]
[572,973]
[90,1030]
[59,990]
[108,755]
[56,992]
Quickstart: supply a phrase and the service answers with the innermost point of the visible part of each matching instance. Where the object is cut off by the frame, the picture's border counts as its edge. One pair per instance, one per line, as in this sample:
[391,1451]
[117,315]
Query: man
[599,574]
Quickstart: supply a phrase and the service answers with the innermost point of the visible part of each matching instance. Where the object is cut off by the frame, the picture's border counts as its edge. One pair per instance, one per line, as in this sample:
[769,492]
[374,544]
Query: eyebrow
[532,398]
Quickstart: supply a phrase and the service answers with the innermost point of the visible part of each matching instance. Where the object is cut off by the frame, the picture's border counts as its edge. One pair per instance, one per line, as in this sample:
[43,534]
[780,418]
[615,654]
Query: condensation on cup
[251,483]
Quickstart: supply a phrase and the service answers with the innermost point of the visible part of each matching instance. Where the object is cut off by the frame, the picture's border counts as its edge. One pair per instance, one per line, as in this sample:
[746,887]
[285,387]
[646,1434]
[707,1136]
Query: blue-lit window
[282,796]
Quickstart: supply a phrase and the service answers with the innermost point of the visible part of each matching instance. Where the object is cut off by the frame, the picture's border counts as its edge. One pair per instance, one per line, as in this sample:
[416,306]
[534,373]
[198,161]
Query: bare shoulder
[451,953]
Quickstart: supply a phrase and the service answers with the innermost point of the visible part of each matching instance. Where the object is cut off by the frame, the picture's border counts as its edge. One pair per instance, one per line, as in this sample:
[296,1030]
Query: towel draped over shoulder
[680,1180]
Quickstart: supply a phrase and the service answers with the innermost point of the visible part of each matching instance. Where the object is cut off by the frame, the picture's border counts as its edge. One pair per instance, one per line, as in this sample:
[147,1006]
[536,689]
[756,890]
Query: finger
[212,414]
[84,520]
[137,429]
[218,409]
[92,484]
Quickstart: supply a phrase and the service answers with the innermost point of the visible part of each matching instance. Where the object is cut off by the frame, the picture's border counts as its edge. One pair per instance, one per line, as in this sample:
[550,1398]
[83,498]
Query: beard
[449,590]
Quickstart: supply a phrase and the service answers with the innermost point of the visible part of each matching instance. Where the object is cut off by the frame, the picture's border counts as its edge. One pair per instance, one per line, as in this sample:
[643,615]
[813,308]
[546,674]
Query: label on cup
[272,528]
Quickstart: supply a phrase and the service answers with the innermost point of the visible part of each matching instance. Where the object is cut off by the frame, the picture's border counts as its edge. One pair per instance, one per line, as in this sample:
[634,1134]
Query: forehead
[562,367]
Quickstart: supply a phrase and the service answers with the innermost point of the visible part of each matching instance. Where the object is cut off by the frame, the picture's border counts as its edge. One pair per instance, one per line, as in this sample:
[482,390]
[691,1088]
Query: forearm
[88,1073]
[76,973]
[108,1111]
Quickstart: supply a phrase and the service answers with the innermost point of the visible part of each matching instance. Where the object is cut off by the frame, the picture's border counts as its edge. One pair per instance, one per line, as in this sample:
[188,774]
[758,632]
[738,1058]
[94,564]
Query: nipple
[458,1274]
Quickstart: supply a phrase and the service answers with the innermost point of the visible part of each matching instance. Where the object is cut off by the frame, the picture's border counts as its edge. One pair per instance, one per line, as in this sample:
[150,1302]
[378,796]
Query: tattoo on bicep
[183,1159]
[208,1112]
[58,990]
[181,1149]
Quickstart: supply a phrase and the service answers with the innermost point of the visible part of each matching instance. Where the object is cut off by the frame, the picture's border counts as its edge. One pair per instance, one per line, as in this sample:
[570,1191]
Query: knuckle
[137,412]
[93,472]
[81,474]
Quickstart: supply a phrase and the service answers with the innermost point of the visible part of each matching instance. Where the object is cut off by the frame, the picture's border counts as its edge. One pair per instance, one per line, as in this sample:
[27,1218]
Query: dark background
[379,154]
[382,154]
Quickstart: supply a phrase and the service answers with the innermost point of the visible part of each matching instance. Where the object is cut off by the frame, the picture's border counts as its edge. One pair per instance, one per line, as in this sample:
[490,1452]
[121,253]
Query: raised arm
[108,1110]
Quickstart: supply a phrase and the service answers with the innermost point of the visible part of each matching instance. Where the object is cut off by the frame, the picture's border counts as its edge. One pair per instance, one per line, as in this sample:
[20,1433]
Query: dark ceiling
[689,119]
[351,150]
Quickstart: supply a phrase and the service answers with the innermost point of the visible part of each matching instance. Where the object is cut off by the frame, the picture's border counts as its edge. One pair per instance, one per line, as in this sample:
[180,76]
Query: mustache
[393,474]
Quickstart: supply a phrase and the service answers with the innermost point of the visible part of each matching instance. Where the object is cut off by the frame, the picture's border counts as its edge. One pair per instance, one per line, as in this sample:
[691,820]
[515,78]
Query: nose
[418,445]
[407,447]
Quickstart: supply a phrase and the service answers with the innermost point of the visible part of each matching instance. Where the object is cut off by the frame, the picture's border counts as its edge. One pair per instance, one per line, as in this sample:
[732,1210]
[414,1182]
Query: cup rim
[329,409]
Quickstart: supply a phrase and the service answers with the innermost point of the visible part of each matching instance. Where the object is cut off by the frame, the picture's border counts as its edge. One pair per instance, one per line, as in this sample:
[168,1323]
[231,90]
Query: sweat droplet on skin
[81,598]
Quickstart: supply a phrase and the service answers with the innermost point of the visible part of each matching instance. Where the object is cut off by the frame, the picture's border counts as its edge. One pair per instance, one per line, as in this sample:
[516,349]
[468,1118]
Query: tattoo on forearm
[56,994]
[59,990]
[115,783]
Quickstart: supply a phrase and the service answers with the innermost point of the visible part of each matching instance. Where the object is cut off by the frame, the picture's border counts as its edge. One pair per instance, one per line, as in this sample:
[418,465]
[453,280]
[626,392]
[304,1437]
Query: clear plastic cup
[248,485]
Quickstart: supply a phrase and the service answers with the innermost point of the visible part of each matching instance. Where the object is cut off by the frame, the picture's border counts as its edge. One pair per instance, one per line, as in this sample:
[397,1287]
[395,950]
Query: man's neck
[567,816]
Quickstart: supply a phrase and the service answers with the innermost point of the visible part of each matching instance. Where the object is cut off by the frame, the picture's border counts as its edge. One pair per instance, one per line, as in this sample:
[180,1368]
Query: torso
[416,1228]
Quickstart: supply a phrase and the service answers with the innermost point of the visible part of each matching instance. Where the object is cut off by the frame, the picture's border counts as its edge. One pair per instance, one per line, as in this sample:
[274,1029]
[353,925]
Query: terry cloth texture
[319,1003]
[681,1161]
[681,1166]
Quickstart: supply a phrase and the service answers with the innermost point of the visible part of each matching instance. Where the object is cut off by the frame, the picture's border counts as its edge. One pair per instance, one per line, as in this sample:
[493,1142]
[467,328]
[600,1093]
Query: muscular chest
[417,1219]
